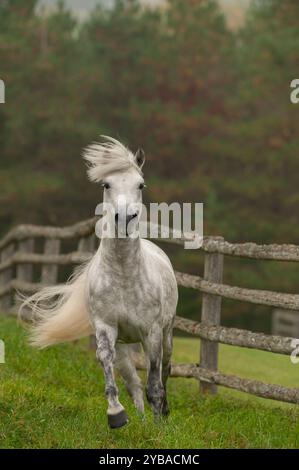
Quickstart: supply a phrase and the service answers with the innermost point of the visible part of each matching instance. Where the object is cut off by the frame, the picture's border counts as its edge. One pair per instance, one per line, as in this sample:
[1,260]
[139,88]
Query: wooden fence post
[87,244]
[24,271]
[210,316]
[50,271]
[6,276]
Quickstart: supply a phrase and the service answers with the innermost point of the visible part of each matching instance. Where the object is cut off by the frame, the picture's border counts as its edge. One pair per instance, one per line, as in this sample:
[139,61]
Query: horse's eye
[142,185]
[106,185]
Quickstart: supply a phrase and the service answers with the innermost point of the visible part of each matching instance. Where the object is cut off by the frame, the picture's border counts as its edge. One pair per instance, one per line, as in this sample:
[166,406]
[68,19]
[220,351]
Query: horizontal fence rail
[284,252]
[18,260]
[235,336]
[261,297]
[33,258]
[254,387]
[22,232]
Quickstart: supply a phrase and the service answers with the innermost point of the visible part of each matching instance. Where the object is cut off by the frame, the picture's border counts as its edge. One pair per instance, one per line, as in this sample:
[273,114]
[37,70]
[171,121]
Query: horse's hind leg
[166,366]
[106,337]
[127,369]
[154,390]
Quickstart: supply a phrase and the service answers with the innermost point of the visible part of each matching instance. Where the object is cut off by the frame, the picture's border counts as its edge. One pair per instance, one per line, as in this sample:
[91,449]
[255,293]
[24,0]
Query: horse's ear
[140,157]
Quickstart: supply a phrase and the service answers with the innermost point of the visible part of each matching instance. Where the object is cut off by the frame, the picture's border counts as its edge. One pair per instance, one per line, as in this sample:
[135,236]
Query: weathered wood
[50,272]
[209,330]
[236,337]
[284,252]
[35,258]
[254,387]
[6,277]
[285,322]
[262,297]
[25,270]
[210,316]
[288,316]
[221,334]
[284,330]
[22,286]
[252,250]
[21,232]
[87,244]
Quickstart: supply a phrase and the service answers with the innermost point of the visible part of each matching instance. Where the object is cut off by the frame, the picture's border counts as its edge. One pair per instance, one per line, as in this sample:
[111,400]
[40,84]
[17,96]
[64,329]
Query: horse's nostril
[127,219]
[131,217]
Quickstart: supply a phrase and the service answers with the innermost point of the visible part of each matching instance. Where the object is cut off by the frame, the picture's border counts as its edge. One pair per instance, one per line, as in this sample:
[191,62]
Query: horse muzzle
[125,225]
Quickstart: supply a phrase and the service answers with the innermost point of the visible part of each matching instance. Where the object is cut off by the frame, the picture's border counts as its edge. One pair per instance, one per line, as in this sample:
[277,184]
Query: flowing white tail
[59,312]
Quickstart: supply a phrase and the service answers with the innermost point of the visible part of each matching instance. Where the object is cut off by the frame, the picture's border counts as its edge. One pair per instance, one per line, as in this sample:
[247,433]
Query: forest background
[209,103]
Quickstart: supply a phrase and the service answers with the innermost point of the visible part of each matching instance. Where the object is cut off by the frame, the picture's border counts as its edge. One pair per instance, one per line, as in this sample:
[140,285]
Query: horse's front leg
[106,339]
[155,392]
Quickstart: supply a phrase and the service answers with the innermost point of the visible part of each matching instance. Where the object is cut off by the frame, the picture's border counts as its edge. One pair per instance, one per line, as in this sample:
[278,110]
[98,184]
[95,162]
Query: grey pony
[127,293]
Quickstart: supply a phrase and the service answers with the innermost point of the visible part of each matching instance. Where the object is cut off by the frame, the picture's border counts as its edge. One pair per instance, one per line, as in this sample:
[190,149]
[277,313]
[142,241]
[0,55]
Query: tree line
[210,107]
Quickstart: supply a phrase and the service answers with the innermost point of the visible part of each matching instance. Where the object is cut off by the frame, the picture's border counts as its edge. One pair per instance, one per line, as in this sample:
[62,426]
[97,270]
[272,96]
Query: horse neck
[121,254]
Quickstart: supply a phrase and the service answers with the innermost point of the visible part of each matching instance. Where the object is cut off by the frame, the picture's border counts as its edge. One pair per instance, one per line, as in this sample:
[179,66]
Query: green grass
[55,399]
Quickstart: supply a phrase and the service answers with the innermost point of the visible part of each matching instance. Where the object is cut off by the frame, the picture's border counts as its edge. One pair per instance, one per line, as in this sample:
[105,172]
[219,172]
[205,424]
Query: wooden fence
[19,260]
[285,323]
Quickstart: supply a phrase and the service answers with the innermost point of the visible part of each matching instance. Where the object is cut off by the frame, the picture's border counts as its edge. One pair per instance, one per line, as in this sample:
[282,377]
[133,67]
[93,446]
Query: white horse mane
[108,157]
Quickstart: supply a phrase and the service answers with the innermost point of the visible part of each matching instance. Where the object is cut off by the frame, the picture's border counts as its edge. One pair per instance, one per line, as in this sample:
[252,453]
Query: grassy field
[55,399]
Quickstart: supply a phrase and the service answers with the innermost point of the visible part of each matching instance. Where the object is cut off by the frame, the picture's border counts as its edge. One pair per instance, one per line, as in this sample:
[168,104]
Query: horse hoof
[118,420]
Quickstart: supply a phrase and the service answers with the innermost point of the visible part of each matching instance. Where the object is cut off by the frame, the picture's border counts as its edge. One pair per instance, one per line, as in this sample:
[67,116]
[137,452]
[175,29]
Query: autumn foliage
[210,107]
